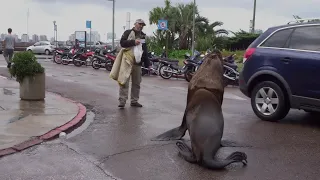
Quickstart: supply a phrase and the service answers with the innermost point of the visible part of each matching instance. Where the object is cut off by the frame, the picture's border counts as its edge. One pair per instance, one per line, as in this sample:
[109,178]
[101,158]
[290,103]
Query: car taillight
[249,52]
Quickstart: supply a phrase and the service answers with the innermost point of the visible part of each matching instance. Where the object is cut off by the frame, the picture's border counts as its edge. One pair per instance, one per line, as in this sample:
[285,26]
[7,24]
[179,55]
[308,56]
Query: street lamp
[254,15]
[113,7]
[193,24]
[54,31]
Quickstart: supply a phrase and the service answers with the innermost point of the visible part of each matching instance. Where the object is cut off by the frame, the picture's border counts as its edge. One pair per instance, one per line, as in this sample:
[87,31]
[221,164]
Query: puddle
[84,126]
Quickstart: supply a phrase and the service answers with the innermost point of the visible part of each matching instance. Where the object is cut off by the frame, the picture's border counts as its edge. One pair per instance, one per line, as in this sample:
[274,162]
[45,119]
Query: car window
[37,44]
[278,39]
[306,38]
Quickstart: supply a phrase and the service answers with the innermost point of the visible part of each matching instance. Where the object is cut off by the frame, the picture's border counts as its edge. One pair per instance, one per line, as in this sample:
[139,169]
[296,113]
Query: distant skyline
[71,15]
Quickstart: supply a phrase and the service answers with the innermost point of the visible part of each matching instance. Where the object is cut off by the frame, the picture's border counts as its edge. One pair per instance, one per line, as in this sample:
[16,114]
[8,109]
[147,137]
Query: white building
[95,36]
[43,38]
[25,38]
[35,38]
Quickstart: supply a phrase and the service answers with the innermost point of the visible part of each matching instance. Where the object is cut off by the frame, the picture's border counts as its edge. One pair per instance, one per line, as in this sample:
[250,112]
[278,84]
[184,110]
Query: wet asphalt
[117,145]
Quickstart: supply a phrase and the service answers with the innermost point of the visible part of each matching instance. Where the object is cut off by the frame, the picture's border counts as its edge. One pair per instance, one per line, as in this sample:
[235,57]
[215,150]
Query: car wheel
[269,102]
[47,52]
[29,50]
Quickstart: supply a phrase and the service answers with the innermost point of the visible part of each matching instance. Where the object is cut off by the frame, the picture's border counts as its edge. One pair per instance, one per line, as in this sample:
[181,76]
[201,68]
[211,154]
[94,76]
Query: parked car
[42,47]
[281,70]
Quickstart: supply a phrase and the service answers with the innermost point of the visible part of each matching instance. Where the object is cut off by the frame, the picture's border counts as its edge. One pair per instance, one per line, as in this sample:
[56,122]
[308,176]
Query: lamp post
[113,7]
[54,31]
[254,15]
[193,24]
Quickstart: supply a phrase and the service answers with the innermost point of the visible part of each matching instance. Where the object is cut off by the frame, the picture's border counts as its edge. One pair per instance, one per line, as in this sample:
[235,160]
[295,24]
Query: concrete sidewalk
[27,123]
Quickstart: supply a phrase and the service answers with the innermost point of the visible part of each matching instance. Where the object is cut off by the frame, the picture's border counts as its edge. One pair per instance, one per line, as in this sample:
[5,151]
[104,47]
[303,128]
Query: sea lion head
[210,74]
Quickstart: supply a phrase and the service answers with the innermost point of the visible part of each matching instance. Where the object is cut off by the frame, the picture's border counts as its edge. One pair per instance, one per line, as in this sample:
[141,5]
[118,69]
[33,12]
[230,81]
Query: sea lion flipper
[186,152]
[173,134]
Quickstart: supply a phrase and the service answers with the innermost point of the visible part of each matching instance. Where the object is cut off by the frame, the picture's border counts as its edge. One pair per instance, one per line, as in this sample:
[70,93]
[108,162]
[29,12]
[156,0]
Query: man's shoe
[136,104]
[121,105]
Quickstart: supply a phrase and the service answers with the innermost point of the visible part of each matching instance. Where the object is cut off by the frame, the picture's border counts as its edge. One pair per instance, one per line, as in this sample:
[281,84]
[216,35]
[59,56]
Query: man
[136,70]
[9,42]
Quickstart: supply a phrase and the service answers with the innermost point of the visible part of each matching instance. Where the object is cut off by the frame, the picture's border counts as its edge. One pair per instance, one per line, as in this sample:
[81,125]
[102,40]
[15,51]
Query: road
[116,144]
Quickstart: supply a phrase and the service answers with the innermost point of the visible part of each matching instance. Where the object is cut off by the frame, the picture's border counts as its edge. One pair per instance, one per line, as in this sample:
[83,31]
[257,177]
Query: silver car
[41,47]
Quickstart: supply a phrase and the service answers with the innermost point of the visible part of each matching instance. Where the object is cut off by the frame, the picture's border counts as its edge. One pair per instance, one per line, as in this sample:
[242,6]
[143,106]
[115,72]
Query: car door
[43,47]
[304,58]
[35,48]
[273,54]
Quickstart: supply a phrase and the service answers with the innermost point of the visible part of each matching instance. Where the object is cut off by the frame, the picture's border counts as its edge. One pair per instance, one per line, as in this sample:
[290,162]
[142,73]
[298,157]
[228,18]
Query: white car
[41,47]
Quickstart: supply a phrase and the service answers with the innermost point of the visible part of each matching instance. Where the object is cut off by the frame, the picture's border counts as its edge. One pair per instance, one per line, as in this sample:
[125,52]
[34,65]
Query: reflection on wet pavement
[20,120]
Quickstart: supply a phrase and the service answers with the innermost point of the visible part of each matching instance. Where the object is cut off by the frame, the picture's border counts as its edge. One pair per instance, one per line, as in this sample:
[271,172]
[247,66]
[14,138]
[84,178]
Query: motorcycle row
[160,65]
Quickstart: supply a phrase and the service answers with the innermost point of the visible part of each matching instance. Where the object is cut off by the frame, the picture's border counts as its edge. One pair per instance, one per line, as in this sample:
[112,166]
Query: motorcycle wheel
[188,75]
[95,64]
[108,66]
[64,62]
[77,63]
[57,59]
[166,75]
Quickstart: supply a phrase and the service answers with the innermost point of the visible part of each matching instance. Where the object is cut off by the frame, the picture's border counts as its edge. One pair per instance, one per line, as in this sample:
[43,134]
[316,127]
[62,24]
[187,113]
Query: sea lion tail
[233,158]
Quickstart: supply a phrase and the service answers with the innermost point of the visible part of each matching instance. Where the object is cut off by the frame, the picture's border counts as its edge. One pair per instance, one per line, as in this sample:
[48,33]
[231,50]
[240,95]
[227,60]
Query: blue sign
[88,24]
[163,24]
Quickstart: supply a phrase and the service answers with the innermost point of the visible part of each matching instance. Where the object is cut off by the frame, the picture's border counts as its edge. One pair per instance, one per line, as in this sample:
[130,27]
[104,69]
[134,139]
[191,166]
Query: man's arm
[124,42]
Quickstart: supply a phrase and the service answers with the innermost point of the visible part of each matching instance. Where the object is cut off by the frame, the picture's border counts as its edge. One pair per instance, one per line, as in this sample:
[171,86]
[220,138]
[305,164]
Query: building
[72,37]
[43,38]
[109,36]
[35,38]
[95,36]
[2,36]
[25,38]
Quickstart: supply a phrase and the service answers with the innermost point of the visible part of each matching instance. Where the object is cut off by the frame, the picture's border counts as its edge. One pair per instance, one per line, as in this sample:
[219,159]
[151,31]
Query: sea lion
[203,117]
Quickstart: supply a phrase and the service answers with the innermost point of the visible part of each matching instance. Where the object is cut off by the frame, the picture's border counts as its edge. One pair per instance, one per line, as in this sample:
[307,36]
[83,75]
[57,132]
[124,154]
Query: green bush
[25,64]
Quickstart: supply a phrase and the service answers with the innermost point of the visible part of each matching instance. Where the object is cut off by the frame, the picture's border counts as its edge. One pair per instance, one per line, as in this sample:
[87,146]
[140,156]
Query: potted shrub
[30,75]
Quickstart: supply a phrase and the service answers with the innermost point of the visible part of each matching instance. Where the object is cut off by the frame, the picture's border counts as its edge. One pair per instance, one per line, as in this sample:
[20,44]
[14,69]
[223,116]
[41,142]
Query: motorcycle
[231,75]
[82,57]
[105,60]
[192,64]
[170,67]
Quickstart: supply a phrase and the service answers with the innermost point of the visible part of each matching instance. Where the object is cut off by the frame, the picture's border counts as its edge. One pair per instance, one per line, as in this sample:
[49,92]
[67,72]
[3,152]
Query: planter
[33,88]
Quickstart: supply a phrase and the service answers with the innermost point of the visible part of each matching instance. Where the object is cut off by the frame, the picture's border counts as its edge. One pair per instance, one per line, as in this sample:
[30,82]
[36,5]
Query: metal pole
[254,15]
[90,39]
[28,25]
[194,23]
[113,7]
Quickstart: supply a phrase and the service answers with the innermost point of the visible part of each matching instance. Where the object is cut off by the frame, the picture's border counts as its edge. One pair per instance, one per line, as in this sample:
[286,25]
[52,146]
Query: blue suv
[280,70]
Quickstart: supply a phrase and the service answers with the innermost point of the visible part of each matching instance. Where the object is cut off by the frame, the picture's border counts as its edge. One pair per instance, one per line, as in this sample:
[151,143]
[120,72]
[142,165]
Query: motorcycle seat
[170,60]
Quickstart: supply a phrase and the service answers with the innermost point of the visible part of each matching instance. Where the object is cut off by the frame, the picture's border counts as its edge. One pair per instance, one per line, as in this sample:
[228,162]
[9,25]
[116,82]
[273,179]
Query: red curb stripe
[27,144]
[81,116]
[7,151]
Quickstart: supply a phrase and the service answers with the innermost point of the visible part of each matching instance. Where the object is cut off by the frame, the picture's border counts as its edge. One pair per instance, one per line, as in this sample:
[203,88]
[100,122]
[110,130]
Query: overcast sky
[71,15]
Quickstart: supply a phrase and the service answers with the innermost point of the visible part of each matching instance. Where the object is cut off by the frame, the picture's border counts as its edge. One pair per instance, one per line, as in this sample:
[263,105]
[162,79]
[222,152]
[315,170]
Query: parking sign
[163,24]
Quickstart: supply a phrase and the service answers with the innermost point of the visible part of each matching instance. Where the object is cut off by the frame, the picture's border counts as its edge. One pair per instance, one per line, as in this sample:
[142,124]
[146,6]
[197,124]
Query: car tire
[269,101]
[47,52]
[29,50]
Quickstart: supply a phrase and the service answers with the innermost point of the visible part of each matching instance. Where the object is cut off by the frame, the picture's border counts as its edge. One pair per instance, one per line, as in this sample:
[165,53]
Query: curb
[77,121]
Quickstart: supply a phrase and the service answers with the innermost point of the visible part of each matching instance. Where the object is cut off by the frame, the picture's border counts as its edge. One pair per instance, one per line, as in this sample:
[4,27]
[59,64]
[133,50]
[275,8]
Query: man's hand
[138,41]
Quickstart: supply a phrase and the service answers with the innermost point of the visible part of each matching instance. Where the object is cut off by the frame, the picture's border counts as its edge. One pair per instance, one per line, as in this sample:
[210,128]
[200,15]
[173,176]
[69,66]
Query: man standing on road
[136,70]
[9,42]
